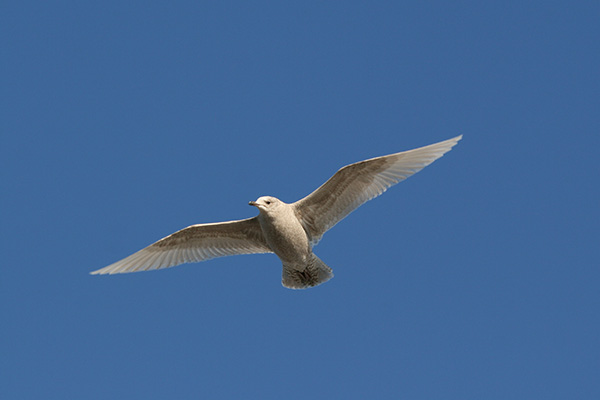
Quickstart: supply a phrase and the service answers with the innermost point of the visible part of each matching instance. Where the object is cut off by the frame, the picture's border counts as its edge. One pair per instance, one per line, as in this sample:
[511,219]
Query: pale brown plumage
[288,230]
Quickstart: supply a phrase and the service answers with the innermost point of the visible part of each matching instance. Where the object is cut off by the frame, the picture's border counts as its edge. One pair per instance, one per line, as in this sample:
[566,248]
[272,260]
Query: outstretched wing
[358,183]
[195,243]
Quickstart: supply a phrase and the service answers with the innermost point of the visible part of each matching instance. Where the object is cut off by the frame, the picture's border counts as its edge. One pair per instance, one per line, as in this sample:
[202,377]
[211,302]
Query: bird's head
[266,203]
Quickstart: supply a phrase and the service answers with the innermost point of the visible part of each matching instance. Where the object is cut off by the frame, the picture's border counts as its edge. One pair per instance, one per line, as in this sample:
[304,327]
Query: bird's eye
[268,202]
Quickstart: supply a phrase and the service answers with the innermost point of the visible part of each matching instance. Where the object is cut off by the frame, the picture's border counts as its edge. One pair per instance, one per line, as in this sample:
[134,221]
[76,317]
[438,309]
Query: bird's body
[282,230]
[288,230]
[289,240]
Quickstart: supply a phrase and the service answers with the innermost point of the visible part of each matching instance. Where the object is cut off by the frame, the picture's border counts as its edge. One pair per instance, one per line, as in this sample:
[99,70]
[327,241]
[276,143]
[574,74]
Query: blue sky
[475,279]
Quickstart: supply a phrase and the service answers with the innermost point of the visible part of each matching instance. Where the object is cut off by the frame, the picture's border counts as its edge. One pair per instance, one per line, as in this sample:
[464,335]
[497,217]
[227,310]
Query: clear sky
[477,278]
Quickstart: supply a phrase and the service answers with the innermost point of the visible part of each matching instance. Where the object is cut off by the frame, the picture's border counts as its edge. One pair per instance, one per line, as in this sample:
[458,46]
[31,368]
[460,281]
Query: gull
[290,230]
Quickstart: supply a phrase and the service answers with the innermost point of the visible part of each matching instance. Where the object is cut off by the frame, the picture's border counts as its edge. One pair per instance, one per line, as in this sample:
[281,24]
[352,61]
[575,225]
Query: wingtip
[445,145]
[100,271]
[455,139]
[452,142]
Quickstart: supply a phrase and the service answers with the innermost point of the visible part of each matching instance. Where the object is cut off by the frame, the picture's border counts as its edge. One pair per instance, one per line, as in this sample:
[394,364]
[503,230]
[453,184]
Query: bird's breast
[286,237]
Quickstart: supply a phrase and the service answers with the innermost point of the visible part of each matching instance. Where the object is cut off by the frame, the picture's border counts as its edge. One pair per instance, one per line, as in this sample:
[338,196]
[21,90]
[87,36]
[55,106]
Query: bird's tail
[312,274]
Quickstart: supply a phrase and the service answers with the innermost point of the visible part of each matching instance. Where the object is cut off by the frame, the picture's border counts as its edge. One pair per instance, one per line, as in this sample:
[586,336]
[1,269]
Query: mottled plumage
[288,230]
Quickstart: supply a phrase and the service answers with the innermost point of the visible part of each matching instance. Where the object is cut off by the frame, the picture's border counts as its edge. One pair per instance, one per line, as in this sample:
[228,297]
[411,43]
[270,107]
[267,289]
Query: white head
[266,203]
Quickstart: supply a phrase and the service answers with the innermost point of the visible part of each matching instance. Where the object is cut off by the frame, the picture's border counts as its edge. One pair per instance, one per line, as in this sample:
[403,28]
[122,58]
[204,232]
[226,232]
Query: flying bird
[288,230]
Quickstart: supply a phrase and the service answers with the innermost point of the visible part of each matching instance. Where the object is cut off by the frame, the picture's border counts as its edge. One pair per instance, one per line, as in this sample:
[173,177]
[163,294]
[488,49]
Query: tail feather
[312,274]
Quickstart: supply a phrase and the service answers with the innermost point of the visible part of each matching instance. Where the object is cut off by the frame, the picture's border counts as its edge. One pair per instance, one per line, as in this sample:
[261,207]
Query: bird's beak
[253,203]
